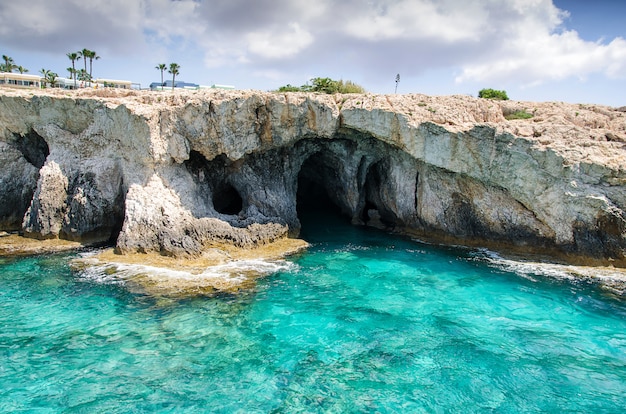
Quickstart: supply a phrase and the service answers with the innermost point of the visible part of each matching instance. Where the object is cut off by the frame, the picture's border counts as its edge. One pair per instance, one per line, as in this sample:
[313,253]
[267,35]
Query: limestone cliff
[177,173]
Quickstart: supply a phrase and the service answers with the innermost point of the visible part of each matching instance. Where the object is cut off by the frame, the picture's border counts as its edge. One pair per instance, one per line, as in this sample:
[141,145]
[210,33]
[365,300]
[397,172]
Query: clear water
[364,322]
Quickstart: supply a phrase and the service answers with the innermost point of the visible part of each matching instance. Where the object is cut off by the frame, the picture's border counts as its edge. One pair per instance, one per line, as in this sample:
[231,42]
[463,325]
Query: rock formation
[177,173]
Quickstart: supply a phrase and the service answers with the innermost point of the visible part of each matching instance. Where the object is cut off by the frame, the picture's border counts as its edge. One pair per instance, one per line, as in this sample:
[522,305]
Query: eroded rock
[179,173]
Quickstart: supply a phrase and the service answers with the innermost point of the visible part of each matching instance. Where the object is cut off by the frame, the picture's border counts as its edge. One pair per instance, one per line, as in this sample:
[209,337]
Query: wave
[230,277]
[614,279]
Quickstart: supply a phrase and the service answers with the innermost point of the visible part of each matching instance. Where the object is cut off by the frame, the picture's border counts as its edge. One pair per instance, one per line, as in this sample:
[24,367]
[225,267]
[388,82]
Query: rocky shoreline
[176,174]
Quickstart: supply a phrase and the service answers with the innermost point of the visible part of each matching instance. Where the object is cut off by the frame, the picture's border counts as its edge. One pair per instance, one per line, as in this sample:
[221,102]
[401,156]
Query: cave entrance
[318,195]
[20,184]
[34,148]
[375,212]
[227,200]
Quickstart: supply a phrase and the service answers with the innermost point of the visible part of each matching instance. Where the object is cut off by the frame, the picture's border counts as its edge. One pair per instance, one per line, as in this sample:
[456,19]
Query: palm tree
[73,56]
[45,73]
[92,55]
[174,70]
[21,69]
[9,64]
[51,78]
[72,73]
[82,75]
[162,67]
[84,54]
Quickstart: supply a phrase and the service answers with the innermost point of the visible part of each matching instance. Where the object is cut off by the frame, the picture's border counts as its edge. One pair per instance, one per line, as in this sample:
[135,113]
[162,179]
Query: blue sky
[537,50]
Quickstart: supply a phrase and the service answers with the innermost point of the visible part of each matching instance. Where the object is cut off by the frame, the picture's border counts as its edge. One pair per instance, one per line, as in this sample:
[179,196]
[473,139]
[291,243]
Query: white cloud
[45,25]
[481,40]
[536,49]
[172,19]
[279,43]
[418,19]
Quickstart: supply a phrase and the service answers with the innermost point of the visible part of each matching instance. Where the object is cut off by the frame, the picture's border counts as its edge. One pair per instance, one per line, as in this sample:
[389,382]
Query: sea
[361,322]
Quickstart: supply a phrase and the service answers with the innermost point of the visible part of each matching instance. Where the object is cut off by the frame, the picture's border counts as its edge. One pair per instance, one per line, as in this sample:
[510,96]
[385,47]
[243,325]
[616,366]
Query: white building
[20,80]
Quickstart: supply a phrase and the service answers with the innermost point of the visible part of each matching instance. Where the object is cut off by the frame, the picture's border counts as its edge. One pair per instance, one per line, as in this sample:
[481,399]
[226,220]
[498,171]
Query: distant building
[168,84]
[156,86]
[20,80]
[112,83]
[66,83]
[214,86]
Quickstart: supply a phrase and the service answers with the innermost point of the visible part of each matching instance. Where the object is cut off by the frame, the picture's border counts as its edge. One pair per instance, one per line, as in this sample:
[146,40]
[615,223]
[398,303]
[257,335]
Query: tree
[82,75]
[73,56]
[21,69]
[493,94]
[174,70]
[326,85]
[72,73]
[92,56]
[49,77]
[44,73]
[9,64]
[162,67]
[84,54]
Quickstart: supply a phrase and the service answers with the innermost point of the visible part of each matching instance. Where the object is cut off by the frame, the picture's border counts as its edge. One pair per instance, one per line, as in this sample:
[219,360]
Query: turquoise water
[361,322]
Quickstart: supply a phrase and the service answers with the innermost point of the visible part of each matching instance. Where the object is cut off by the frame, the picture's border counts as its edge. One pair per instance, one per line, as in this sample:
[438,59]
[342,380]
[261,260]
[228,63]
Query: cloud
[62,26]
[279,43]
[481,40]
[536,48]
[442,21]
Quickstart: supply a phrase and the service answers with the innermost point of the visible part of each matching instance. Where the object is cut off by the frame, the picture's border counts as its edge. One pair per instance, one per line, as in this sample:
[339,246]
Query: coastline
[12,244]
[229,269]
[178,173]
[220,269]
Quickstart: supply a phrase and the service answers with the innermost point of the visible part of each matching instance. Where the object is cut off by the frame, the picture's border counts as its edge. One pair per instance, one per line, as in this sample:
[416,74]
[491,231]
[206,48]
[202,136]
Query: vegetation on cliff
[325,85]
[493,94]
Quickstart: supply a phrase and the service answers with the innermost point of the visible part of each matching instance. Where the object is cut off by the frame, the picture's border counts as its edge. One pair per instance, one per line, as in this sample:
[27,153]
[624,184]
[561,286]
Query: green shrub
[325,85]
[289,88]
[350,87]
[493,94]
[518,115]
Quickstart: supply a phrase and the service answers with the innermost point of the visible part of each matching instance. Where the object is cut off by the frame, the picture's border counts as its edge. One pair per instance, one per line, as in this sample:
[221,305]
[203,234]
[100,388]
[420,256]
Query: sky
[536,50]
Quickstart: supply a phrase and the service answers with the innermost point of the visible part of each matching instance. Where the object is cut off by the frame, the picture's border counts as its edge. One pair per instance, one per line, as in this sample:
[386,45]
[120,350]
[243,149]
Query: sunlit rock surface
[177,173]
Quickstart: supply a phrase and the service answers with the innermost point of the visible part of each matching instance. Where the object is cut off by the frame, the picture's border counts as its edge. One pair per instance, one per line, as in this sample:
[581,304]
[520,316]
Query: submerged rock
[182,172]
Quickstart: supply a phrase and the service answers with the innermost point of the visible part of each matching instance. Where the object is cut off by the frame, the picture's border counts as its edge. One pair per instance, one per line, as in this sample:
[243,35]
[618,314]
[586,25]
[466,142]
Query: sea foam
[231,276]
[613,279]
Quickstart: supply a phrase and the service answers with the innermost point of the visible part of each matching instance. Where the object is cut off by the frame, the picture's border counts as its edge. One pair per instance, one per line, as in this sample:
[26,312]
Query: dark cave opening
[34,148]
[316,199]
[19,186]
[211,180]
[227,200]
[375,212]
[313,197]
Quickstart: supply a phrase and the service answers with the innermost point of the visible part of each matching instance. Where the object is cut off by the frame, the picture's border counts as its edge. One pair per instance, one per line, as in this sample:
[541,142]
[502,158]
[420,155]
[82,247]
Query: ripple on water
[393,326]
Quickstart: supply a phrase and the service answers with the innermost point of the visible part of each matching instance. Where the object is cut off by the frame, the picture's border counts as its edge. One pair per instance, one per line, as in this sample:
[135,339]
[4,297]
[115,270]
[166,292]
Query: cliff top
[583,133]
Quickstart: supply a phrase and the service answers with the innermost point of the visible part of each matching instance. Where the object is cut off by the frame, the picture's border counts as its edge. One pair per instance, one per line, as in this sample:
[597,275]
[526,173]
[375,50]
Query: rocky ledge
[177,173]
